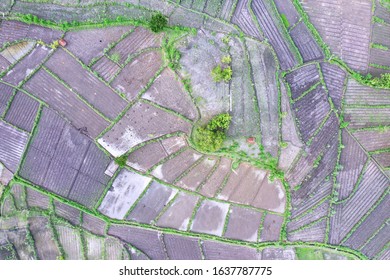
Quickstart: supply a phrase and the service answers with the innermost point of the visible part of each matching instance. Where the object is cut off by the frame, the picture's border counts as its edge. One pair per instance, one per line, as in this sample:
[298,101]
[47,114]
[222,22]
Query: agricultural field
[194,129]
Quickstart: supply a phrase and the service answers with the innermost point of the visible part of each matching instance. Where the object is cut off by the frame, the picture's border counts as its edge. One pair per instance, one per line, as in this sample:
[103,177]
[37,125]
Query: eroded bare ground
[66,112]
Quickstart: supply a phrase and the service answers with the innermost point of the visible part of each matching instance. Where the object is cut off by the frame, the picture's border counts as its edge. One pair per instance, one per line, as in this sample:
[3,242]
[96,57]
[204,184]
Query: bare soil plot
[113,248]
[136,74]
[182,248]
[345,27]
[148,241]
[372,140]
[12,145]
[95,163]
[125,190]
[35,166]
[141,123]
[311,111]
[249,185]
[200,54]
[311,216]
[271,227]
[87,44]
[243,224]
[305,43]
[12,31]
[173,168]
[22,112]
[186,18]
[167,91]
[278,254]
[287,8]
[357,94]
[43,237]
[360,201]
[5,177]
[6,93]
[263,66]
[71,242]
[245,117]
[198,174]
[152,203]
[375,245]
[215,181]
[370,225]
[367,116]
[164,7]
[61,99]
[271,31]
[86,84]
[289,133]
[319,173]
[17,51]
[302,79]
[380,36]
[214,250]
[37,199]
[93,224]
[67,212]
[136,41]
[27,65]
[179,212]
[44,34]
[210,217]
[95,247]
[385,255]
[313,233]
[334,78]
[4,64]
[326,136]
[106,68]
[226,9]
[352,158]
[243,18]
[383,159]
[149,155]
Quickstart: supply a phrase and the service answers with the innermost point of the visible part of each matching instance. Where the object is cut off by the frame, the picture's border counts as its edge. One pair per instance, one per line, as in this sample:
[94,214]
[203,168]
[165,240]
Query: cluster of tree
[209,138]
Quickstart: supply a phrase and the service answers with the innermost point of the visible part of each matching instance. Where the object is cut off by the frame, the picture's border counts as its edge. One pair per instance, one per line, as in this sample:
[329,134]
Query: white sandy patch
[253,237]
[125,190]
[214,214]
[184,225]
[128,140]
[281,197]
[158,173]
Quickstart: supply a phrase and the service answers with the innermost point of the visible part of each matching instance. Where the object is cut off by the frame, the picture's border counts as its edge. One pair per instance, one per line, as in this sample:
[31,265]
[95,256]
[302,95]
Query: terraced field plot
[97,154]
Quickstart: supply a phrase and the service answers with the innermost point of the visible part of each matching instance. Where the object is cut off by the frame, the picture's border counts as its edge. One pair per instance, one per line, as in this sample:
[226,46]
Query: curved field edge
[310,246]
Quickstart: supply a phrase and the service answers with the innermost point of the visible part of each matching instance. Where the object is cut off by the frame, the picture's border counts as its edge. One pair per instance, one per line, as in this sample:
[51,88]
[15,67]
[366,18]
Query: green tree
[158,22]
[210,138]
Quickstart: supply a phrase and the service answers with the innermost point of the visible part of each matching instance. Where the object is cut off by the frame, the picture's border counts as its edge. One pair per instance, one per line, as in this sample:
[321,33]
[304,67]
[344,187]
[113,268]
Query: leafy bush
[121,161]
[226,59]
[172,54]
[158,22]
[380,82]
[210,137]
[116,57]
[220,74]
